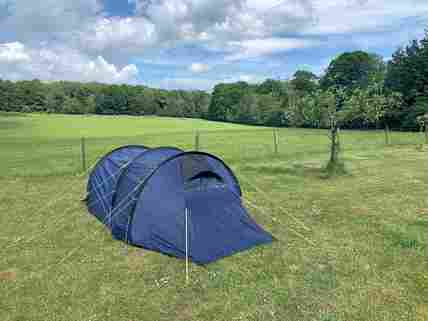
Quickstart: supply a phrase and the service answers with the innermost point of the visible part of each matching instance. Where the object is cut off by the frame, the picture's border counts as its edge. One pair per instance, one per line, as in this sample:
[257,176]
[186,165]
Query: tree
[372,106]
[143,102]
[304,82]
[173,105]
[298,111]
[314,117]
[412,112]
[89,105]
[247,111]
[269,111]
[401,72]
[72,106]
[407,73]
[28,96]
[270,86]
[225,100]
[330,103]
[104,104]
[113,100]
[353,70]
[392,104]
[55,98]
[7,91]
[201,101]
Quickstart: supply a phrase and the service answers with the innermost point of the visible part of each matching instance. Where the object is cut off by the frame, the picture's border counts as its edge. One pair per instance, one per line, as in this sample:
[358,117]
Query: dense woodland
[358,90]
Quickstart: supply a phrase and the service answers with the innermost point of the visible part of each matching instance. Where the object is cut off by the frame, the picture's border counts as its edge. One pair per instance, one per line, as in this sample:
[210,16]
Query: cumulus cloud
[47,19]
[79,40]
[262,47]
[345,17]
[134,33]
[199,68]
[183,18]
[13,52]
[60,63]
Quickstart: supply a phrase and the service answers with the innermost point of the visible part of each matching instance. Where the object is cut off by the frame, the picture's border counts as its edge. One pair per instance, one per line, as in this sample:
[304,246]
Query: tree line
[365,92]
[368,92]
[96,98]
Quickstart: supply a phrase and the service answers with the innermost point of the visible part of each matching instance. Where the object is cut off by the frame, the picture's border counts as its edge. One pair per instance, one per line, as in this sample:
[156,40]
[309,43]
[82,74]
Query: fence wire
[32,157]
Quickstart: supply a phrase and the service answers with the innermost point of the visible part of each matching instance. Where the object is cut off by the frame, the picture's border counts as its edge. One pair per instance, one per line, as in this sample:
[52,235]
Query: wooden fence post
[197,137]
[387,135]
[83,153]
[426,133]
[275,141]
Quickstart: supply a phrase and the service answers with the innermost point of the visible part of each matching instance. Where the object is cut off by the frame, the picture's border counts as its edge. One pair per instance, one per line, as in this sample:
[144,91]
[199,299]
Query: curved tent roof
[145,203]
[104,176]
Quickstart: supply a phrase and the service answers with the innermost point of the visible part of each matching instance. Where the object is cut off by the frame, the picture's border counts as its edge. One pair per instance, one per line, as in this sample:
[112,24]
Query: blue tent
[142,196]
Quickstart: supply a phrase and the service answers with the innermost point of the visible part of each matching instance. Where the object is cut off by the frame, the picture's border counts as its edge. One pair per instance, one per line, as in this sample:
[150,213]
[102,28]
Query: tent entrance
[219,226]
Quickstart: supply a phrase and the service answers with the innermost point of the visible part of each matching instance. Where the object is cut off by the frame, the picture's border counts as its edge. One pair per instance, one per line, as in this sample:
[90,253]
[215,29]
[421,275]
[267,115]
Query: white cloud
[13,52]
[203,20]
[191,83]
[78,40]
[60,63]
[262,47]
[344,17]
[222,21]
[187,83]
[240,25]
[249,78]
[132,33]
[100,69]
[199,68]
[40,20]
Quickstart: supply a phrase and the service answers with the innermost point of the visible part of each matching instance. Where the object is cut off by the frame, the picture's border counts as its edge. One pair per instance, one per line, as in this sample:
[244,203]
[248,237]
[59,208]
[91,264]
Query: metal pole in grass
[187,246]
[83,153]
[275,141]
[197,137]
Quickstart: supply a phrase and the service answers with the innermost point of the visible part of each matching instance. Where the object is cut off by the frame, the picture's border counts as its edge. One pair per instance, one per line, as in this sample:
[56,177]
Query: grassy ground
[350,248]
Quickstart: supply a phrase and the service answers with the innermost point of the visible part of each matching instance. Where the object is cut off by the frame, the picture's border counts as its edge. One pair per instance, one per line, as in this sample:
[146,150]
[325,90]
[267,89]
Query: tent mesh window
[198,174]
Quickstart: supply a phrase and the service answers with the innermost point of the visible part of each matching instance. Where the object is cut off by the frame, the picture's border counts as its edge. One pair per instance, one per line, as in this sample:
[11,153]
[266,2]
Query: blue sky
[194,44]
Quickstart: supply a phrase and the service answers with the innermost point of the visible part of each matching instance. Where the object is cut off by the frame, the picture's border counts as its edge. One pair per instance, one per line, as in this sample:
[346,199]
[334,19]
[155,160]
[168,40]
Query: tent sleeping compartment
[142,194]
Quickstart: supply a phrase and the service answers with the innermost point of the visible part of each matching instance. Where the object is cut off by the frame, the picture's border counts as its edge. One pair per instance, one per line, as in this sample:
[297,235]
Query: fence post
[197,140]
[275,141]
[339,139]
[387,136]
[426,133]
[83,153]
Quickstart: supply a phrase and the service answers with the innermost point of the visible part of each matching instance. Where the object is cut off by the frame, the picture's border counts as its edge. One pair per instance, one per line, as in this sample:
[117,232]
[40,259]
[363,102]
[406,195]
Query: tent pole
[187,248]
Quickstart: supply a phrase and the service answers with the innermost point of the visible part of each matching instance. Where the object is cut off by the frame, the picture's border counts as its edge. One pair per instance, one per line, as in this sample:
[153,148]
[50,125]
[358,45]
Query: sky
[195,44]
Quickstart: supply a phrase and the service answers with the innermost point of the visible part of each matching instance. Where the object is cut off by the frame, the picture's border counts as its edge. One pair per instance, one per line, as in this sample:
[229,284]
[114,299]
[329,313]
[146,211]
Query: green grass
[353,247]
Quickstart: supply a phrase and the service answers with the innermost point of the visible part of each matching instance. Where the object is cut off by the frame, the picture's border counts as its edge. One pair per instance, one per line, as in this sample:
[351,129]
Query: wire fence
[40,157]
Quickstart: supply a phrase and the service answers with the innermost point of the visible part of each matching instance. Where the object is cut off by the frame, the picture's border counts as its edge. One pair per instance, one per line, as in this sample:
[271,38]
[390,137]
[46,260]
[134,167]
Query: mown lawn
[349,248]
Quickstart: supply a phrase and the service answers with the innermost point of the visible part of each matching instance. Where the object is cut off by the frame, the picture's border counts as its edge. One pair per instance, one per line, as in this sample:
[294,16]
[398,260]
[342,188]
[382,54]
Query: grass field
[349,248]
